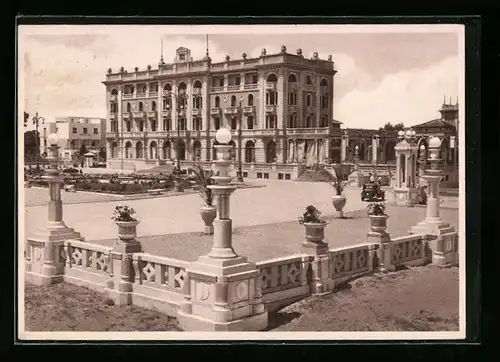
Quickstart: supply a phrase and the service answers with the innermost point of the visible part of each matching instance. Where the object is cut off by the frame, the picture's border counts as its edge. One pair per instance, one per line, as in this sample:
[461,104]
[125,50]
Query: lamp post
[356,157]
[180,102]
[239,173]
[36,121]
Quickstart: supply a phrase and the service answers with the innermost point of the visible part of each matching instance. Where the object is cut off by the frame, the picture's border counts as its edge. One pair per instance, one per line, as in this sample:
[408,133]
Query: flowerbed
[114,183]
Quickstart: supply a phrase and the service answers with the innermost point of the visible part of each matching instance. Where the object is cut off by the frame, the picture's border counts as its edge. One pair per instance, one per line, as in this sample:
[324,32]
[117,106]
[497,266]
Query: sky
[385,73]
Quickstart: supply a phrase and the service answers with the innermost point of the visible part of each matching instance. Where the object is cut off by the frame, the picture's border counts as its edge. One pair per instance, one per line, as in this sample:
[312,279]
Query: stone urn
[315,232]
[378,223]
[127,230]
[339,202]
[208,214]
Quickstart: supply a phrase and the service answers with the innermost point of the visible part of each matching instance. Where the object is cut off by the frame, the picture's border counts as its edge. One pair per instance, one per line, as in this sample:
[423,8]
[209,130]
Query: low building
[73,132]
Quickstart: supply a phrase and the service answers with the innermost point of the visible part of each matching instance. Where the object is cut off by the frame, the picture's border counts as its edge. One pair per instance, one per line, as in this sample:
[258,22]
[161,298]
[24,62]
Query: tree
[390,127]
[31,141]
[82,152]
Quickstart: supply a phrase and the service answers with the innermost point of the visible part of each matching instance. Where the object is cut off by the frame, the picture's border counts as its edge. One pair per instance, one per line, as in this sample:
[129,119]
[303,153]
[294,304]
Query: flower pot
[378,223]
[315,232]
[127,230]
[339,202]
[208,214]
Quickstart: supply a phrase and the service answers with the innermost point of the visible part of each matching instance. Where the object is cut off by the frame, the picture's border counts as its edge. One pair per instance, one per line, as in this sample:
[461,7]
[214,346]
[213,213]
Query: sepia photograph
[218,182]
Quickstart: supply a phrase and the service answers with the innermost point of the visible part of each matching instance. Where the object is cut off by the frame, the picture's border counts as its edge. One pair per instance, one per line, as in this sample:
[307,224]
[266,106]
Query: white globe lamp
[223,136]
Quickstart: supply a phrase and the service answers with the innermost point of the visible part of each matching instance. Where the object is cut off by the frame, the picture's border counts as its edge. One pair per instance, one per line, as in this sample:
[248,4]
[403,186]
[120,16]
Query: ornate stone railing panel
[284,280]
[86,264]
[407,250]
[158,282]
[351,262]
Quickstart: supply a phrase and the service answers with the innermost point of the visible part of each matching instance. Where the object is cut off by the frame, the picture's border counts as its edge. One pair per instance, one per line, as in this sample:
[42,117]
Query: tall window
[308,100]
[216,123]
[141,107]
[74,130]
[324,101]
[129,107]
[217,101]
[153,106]
[233,101]
[250,122]
[197,124]
[271,98]
[271,121]
[85,130]
[128,126]
[292,99]
[96,130]
[250,99]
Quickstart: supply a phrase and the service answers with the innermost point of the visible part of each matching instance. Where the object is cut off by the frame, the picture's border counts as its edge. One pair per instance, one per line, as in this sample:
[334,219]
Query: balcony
[270,132]
[181,112]
[271,85]
[141,95]
[311,110]
[251,86]
[249,109]
[196,91]
[271,109]
[307,131]
[128,95]
[233,87]
[153,94]
[126,115]
[152,114]
[217,89]
[231,110]
[113,115]
[113,97]
[167,113]
[196,112]
[139,114]
[215,111]
[293,109]
[112,134]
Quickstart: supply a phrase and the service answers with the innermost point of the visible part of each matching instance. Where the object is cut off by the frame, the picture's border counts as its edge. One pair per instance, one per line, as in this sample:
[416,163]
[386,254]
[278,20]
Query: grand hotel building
[284,103]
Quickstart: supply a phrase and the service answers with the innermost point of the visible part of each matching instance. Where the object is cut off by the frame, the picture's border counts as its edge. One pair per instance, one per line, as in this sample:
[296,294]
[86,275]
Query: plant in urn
[127,224]
[314,223]
[338,199]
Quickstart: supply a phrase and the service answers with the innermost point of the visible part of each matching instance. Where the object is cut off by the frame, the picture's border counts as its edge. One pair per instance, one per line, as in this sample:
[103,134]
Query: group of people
[372,179]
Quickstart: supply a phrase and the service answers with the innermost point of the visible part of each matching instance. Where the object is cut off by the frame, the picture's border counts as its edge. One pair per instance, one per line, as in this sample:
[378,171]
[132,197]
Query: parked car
[100,165]
[372,192]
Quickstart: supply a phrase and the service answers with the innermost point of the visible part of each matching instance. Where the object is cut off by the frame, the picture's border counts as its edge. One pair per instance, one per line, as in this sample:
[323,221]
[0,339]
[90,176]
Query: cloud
[401,97]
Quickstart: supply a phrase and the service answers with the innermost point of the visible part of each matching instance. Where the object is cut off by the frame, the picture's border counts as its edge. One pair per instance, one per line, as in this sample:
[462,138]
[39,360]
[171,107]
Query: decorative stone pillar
[375,143]
[343,147]
[356,177]
[445,244]
[44,265]
[224,292]
[405,191]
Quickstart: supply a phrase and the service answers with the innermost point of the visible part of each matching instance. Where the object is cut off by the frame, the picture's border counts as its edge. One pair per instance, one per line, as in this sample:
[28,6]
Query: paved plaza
[277,202]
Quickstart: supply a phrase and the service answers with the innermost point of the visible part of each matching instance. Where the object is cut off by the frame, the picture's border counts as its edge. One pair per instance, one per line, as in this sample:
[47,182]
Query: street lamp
[239,173]
[180,101]
[36,122]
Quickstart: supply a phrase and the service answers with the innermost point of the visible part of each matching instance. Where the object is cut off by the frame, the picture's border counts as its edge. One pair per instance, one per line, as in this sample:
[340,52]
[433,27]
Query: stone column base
[42,280]
[378,238]
[255,323]
[406,196]
[56,231]
[322,282]
[432,227]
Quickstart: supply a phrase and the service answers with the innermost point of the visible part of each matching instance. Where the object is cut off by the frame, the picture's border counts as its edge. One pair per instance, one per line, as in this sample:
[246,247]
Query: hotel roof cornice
[180,69]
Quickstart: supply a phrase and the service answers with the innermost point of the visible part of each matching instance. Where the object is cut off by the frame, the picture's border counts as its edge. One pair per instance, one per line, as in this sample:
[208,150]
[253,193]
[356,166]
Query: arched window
[197,84]
[292,78]
[139,150]
[233,150]
[249,151]
[153,125]
[182,150]
[141,107]
[153,106]
[114,148]
[234,123]
[217,101]
[323,83]
[114,92]
[167,150]
[182,87]
[250,99]
[308,100]
[128,149]
[233,101]
[129,107]
[153,150]
[270,151]
[390,153]
[216,123]
[128,126]
[197,150]
[167,87]
[272,78]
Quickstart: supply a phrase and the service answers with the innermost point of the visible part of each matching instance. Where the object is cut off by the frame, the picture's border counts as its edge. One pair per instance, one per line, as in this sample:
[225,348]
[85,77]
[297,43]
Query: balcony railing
[233,87]
[126,115]
[167,113]
[196,91]
[311,110]
[139,114]
[293,109]
[153,94]
[152,114]
[251,86]
[217,89]
[249,109]
[270,109]
[271,85]
[112,134]
[215,111]
[196,112]
[113,97]
[264,132]
[231,110]
[113,115]
[141,95]
[128,95]
[307,131]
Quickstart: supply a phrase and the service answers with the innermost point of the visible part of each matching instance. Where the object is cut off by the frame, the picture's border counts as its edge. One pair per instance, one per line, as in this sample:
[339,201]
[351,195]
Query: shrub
[312,215]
